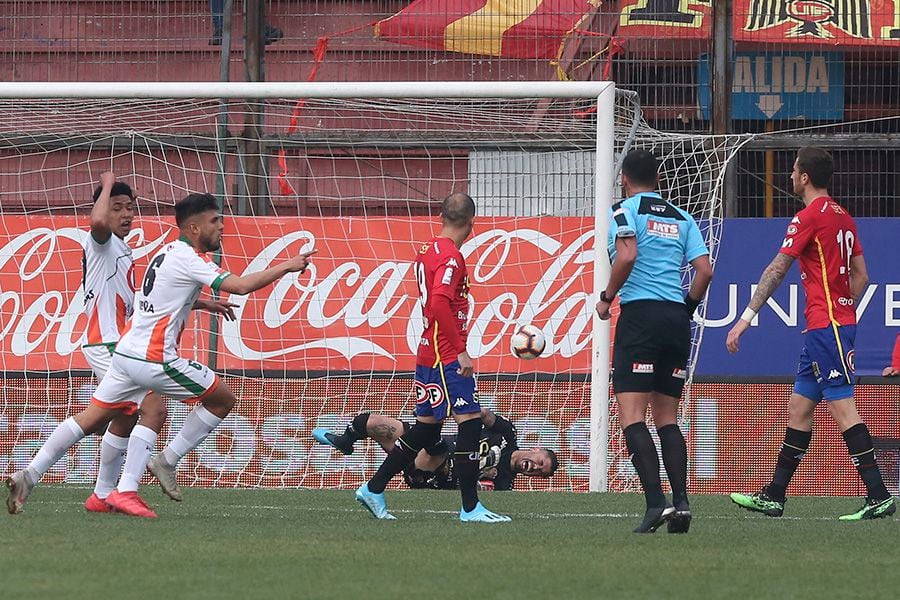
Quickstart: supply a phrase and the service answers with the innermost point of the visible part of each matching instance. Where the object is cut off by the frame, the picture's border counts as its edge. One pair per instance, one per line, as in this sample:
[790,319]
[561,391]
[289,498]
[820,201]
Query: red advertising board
[355,309]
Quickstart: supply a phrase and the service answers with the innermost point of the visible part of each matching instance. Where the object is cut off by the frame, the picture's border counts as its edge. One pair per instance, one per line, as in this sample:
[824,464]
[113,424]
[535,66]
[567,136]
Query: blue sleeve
[695,247]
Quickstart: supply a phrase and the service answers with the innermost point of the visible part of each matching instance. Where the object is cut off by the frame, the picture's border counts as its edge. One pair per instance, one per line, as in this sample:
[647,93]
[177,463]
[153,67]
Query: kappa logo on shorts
[642,368]
[835,374]
[679,374]
[460,402]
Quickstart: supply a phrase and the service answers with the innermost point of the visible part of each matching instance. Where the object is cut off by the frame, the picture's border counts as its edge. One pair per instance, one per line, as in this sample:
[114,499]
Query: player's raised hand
[107,179]
[299,263]
[465,365]
[732,342]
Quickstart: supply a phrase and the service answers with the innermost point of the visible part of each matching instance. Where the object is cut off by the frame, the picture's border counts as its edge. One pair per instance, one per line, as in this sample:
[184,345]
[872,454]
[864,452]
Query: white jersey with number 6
[171,285]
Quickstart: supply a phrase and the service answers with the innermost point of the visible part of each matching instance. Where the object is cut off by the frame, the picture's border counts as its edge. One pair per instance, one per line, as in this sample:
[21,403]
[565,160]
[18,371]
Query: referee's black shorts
[652,347]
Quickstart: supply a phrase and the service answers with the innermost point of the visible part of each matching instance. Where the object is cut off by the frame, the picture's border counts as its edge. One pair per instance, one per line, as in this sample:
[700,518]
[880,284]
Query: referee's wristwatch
[605,298]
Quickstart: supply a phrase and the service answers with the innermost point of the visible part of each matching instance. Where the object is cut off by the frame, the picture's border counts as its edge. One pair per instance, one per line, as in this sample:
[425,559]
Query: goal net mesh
[361,181]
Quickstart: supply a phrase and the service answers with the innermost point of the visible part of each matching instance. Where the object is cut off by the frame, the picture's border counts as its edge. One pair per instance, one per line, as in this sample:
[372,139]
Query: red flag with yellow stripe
[511,28]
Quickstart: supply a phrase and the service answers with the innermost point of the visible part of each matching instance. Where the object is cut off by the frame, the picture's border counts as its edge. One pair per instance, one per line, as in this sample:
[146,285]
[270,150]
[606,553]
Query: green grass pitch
[321,544]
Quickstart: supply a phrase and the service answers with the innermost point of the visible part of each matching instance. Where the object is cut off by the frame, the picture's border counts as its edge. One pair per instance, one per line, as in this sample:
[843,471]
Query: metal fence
[789,65]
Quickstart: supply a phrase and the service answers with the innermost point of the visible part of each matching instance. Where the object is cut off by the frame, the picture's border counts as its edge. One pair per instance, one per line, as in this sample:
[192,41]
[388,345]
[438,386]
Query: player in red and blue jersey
[444,382]
[823,238]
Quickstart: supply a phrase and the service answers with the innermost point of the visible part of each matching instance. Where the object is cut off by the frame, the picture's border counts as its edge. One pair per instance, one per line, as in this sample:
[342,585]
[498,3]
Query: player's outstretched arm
[101,230]
[254,281]
[768,283]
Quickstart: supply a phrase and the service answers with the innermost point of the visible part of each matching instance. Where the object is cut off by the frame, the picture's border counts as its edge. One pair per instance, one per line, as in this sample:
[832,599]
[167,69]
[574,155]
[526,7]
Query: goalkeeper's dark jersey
[495,466]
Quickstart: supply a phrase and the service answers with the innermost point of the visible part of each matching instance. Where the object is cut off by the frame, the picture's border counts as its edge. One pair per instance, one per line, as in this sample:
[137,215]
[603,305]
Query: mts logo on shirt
[663,230]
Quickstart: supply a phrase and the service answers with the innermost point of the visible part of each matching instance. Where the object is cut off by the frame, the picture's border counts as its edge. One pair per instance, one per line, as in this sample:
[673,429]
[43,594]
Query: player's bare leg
[201,421]
[632,414]
[384,430]
[67,434]
[674,451]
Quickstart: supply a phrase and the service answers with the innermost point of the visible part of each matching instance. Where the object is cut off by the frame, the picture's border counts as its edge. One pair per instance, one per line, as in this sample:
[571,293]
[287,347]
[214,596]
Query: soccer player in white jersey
[108,282]
[146,355]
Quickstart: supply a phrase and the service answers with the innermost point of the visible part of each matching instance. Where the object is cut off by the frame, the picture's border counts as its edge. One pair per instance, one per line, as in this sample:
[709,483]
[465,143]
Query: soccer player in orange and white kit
[108,283]
[823,237]
[445,379]
[146,355]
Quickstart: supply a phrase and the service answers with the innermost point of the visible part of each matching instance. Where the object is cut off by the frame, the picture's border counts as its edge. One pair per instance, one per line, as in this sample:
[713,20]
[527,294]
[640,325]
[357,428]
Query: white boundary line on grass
[426,511]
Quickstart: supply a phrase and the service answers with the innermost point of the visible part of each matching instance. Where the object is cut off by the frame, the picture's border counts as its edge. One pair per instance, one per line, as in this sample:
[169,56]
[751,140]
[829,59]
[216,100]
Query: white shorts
[128,379]
[98,358]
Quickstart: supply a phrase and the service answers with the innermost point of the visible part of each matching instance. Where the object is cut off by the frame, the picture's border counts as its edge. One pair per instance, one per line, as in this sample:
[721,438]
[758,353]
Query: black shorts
[652,347]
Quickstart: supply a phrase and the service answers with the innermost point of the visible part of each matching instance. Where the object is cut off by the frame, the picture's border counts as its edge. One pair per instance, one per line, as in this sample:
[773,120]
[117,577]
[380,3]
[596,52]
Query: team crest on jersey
[812,18]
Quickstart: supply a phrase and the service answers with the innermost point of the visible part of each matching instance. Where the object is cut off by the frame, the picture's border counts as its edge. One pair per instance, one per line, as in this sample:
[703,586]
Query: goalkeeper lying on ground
[501,458]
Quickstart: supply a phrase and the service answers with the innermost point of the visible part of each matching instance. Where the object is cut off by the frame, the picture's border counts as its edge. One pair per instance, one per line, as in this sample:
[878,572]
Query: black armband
[690,305]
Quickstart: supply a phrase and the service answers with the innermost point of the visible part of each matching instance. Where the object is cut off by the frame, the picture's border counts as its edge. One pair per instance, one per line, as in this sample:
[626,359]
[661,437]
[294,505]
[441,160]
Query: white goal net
[359,177]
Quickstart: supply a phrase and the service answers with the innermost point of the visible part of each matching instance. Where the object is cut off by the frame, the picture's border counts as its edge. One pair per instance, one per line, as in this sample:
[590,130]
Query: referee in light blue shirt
[649,241]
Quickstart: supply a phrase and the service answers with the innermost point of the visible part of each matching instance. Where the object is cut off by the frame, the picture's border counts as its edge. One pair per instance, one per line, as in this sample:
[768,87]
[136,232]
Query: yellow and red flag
[510,28]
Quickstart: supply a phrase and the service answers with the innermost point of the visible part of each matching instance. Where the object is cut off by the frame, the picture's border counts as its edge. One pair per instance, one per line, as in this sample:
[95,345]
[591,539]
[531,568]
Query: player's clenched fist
[107,179]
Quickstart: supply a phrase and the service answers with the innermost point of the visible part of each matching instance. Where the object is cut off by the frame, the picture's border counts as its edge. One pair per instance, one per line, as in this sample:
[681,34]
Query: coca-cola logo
[41,294]
[355,307]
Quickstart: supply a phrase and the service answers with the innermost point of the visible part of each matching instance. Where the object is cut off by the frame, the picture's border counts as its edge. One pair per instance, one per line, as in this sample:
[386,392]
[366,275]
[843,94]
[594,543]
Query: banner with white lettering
[772,344]
[355,309]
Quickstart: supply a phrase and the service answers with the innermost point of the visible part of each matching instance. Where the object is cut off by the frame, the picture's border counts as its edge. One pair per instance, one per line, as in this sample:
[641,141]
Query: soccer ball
[527,342]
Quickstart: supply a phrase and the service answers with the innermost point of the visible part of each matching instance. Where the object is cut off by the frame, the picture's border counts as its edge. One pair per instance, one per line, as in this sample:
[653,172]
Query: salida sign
[355,309]
[768,86]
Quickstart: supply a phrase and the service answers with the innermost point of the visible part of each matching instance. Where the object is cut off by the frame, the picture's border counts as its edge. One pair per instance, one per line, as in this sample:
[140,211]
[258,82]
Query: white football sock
[142,441]
[197,426]
[66,435]
[112,455]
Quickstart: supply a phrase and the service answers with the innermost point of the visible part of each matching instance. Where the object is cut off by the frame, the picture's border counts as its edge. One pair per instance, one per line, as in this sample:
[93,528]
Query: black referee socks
[646,462]
[674,452]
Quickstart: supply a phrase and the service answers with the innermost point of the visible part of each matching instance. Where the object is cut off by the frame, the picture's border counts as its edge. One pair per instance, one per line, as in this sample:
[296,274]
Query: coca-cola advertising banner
[355,309]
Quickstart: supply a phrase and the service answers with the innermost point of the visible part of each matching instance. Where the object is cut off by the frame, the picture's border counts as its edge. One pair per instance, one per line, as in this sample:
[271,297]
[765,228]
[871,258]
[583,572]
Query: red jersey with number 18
[441,274]
[823,237]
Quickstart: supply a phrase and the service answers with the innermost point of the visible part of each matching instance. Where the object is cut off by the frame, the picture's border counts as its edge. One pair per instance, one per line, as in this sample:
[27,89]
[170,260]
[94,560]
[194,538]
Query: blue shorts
[826,364]
[441,391]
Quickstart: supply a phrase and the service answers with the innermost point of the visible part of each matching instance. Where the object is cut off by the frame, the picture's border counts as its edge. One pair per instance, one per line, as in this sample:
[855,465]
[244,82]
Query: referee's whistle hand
[603,310]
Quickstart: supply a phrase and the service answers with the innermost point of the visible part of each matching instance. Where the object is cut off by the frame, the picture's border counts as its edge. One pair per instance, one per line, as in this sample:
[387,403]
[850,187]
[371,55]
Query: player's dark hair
[458,209]
[194,204]
[119,188]
[641,167]
[816,163]
[554,461]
